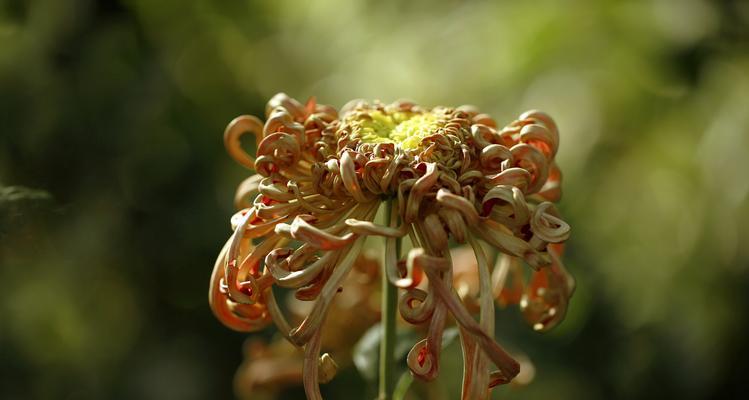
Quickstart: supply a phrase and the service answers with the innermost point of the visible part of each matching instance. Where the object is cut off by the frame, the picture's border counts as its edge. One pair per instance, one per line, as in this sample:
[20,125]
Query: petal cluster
[444,175]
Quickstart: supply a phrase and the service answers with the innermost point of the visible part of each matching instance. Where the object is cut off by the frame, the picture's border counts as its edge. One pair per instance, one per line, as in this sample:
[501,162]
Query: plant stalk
[389,298]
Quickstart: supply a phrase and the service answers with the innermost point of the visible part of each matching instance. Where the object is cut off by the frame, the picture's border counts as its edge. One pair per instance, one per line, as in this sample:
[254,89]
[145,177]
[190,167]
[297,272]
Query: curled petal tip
[327,368]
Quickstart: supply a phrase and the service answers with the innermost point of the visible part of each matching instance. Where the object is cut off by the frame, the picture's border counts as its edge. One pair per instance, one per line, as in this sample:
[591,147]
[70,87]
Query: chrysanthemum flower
[442,174]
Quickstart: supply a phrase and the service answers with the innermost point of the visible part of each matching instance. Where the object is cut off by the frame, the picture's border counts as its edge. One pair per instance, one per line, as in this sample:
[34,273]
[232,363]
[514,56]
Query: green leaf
[367,350]
[367,353]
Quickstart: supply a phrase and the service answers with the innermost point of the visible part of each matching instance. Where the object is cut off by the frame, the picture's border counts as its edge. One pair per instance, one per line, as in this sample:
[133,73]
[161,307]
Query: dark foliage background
[115,191]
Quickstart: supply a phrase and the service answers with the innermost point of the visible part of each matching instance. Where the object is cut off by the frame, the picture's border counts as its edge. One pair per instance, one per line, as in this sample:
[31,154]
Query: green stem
[387,343]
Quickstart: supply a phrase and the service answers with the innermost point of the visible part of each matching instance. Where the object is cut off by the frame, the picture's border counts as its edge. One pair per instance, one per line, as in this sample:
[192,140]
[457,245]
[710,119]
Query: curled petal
[258,312]
[483,135]
[450,183]
[222,306]
[517,177]
[506,203]
[311,291]
[501,237]
[546,120]
[507,366]
[388,177]
[310,367]
[418,257]
[281,151]
[368,228]
[470,352]
[274,190]
[459,204]
[416,306]
[277,263]
[404,105]
[552,189]
[372,174]
[420,361]
[499,378]
[467,159]
[241,217]
[544,303]
[392,250]
[539,137]
[423,359]
[245,189]
[234,131]
[301,230]
[495,157]
[435,233]
[470,177]
[302,333]
[349,178]
[299,259]
[486,322]
[266,165]
[485,119]
[351,106]
[326,112]
[327,368]
[254,226]
[307,202]
[295,108]
[533,161]
[280,120]
[419,189]
[455,223]
[236,291]
[250,266]
[527,370]
[403,188]
[547,225]
[241,284]
[398,272]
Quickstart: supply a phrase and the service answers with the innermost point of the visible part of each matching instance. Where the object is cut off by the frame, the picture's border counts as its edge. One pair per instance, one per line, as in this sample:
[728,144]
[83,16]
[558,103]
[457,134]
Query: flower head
[443,174]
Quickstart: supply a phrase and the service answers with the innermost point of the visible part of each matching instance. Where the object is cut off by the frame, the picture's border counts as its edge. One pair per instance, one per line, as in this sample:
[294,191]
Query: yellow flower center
[405,129]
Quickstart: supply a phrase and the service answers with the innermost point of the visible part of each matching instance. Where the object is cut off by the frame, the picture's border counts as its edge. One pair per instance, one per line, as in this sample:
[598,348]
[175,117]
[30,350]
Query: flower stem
[387,343]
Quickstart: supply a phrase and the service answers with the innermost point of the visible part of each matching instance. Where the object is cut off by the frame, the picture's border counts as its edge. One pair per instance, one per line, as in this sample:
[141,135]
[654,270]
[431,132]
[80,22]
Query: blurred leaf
[366,353]
[367,349]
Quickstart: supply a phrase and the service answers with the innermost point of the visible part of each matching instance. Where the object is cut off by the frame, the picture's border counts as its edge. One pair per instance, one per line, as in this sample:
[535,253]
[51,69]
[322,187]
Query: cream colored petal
[235,130]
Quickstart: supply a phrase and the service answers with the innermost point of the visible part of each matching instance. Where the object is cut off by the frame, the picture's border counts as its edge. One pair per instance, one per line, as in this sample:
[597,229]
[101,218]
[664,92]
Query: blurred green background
[115,190]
